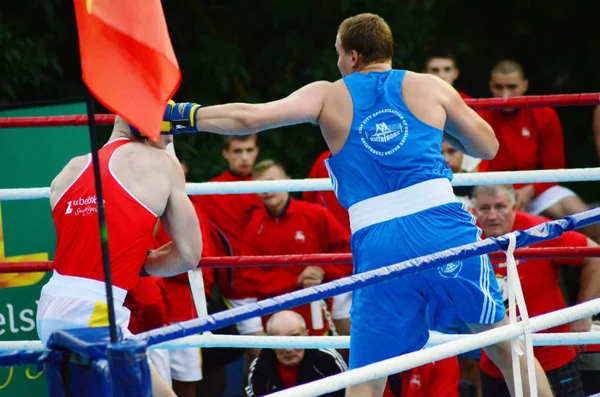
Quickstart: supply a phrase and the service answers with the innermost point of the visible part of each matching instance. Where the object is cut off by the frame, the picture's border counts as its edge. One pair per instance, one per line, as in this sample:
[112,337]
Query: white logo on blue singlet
[383,132]
[450,270]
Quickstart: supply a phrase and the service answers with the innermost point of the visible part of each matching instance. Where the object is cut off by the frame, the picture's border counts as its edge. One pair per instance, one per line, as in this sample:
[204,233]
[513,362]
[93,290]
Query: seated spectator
[435,379]
[186,363]
[287,226]
[279,369]
[496,211]
[530,139]
[340,311]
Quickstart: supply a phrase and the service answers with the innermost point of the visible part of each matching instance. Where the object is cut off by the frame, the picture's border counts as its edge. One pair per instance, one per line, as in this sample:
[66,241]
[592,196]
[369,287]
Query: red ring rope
[321,259]
[533,101]
[54,121]
[480,103]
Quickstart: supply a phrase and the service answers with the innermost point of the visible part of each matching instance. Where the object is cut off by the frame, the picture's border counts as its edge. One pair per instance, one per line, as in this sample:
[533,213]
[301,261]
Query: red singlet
[129,225]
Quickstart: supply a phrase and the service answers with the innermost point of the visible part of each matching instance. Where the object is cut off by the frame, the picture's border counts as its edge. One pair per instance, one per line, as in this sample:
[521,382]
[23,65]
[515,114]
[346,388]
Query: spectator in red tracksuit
[230,213]
[496,212]
[147,302]
[180,300]
[287,226]
[186,363]
[340,310]
[530,139]
[436,379]
[326,198]
[442,63]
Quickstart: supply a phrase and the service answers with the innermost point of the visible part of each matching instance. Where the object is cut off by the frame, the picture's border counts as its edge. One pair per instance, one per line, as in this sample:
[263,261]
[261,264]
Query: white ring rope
[443,345]
[516,297]
[320,184]
[515,346]
[415,359]
[316,342]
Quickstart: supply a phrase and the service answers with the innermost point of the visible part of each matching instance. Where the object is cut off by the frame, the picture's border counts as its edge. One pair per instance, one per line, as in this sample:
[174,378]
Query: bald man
[279,369]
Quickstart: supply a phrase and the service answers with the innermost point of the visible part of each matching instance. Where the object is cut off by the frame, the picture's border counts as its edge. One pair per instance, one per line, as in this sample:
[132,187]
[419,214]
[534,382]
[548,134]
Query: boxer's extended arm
[181,224]
[302,106]
[469,131]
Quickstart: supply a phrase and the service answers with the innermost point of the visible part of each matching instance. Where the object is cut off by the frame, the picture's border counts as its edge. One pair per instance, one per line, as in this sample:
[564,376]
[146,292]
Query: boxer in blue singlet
[384,128]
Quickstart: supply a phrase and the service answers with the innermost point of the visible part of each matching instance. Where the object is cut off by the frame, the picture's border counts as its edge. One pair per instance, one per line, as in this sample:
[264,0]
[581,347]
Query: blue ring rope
[539,233]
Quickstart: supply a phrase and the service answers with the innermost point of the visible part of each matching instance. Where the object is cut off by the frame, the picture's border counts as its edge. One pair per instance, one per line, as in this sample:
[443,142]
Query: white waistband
[80,287]
[407,201]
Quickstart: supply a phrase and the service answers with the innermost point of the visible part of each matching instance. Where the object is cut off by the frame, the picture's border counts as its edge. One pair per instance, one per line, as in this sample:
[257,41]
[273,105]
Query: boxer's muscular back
[429,98]
[155,179]
[146,172]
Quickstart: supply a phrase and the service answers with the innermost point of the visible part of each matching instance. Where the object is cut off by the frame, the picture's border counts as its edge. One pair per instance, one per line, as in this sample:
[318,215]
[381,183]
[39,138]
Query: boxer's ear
[355,58]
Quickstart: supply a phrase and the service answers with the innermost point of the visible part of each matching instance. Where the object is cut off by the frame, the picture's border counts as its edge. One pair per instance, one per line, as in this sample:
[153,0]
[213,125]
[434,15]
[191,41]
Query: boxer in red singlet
[141,182]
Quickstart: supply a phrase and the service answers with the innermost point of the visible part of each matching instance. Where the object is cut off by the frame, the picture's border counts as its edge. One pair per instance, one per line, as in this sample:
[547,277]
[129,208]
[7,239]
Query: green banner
[30,157]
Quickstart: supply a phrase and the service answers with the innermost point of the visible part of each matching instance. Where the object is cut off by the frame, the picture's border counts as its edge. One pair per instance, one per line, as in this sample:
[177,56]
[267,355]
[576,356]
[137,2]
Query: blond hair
[262,166]
[369,35]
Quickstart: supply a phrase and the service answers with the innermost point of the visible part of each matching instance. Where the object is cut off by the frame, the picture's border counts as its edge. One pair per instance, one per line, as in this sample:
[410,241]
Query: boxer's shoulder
[68,175]
[76,165]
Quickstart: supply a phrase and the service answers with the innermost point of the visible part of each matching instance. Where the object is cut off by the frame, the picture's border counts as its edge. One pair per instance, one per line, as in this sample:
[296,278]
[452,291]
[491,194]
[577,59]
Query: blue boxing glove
[165,128]
[183,117]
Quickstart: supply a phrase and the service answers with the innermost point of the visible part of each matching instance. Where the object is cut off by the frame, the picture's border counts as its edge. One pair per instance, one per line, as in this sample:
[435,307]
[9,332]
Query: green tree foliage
[251,51]
[555,43]
[38,51]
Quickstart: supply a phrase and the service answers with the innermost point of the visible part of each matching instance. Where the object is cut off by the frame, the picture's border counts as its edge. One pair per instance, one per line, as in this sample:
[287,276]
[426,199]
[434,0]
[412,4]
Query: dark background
[262,50]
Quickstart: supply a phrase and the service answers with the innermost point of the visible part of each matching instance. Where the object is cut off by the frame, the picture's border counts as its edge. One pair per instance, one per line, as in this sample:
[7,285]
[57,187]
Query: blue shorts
[389,318]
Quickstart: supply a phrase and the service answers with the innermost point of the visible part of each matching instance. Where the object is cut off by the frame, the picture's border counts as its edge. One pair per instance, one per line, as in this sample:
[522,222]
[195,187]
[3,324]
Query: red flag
[127,59]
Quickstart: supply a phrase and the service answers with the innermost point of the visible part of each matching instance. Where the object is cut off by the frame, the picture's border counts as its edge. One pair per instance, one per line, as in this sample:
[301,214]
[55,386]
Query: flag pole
[112,326]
